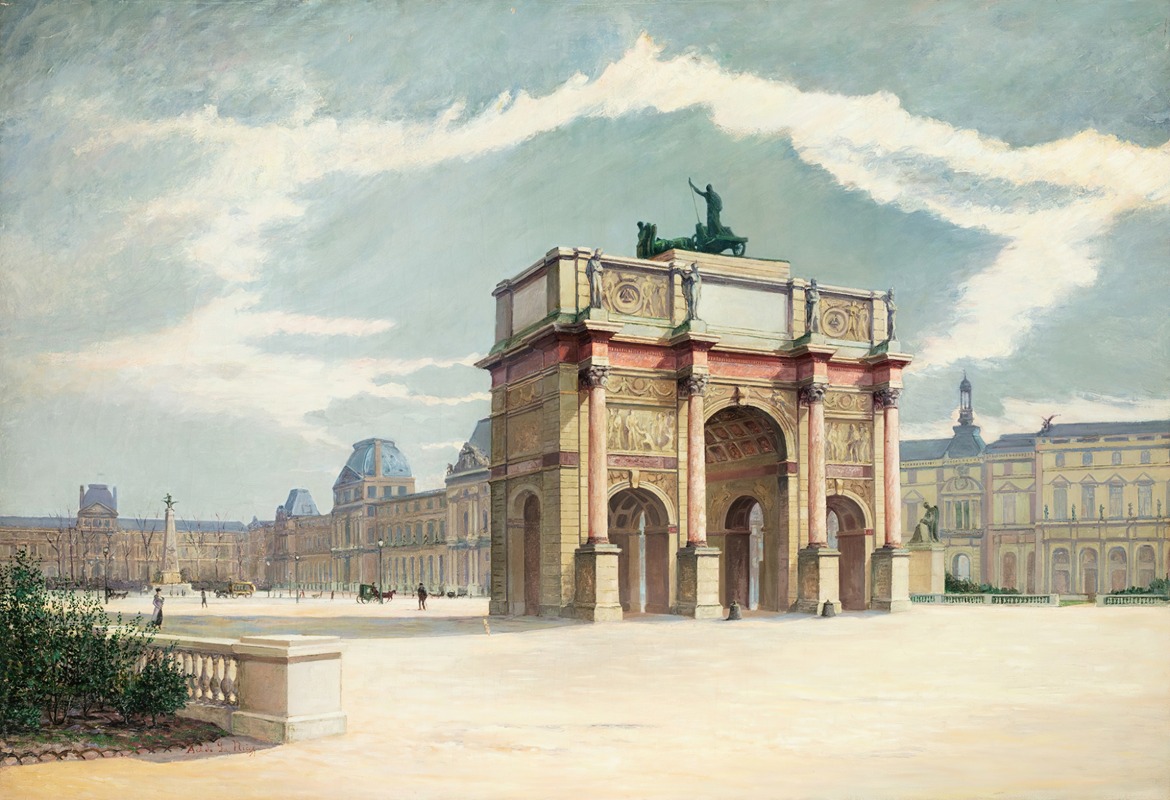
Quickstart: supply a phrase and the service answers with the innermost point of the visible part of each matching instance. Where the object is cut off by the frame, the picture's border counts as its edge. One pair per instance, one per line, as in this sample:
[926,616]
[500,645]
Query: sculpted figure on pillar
[891,314]
[813,393]
[594,377]
[693,385]
[812,308]
[593,271]
[887,398]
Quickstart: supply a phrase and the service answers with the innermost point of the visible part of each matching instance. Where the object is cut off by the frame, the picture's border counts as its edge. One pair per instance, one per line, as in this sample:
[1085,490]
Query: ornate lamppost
[106,573]
[268,575]
[380,543]
[297,578]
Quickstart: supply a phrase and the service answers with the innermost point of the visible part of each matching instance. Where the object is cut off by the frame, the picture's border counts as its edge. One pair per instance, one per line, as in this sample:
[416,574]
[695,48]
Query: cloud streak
[1050,204]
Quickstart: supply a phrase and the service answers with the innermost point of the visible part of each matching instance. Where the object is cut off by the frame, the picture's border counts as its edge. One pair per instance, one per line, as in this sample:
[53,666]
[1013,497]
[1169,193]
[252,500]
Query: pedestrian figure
[203,596]
[330,594]
[422,597]
[156,621]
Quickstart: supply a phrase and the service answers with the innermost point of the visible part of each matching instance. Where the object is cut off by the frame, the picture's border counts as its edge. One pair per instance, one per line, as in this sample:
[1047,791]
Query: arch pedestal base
[597,597]
[698,583]
[818,579]
[927,569]
[891,579]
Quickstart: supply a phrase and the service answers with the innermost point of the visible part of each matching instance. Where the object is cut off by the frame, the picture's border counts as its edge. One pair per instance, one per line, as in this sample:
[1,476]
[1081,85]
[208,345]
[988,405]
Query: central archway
[747,481]
[639,526]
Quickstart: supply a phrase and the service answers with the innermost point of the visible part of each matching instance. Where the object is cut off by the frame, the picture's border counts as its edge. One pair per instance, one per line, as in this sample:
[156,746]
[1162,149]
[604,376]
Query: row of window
[1114,458]
[350,495]
[1091,509]
[1118,571]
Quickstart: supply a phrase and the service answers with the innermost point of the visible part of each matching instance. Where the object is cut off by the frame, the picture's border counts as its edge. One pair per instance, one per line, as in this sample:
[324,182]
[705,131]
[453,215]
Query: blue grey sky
[237,237]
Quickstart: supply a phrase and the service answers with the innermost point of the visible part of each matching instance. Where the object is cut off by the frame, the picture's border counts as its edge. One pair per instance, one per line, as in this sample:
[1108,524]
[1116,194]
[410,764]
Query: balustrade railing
[1132,600]
[987,599]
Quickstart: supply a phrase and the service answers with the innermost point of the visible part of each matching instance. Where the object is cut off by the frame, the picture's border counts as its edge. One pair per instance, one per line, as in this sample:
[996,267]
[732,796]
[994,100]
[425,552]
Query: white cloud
[210,364]
[867,143]
[1050,203]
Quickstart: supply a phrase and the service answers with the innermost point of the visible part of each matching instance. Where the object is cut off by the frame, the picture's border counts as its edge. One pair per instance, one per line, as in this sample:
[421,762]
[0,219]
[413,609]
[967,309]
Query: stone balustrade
[1132,600]
[987,599]
[272,688]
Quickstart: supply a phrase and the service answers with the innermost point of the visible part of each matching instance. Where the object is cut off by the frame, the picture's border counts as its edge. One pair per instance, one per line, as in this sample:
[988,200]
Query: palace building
[677,433]
[1074,508]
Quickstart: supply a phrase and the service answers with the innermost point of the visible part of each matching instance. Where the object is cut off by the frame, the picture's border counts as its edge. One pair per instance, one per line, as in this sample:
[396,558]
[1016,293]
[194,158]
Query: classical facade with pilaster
[674,434]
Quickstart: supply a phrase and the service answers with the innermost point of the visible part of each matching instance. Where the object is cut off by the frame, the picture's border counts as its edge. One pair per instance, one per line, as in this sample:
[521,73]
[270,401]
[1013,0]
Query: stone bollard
[830,609]
[733,612]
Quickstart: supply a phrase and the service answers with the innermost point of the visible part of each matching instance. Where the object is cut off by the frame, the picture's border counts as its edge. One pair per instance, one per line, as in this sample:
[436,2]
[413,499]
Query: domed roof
[394,464]
[965,385]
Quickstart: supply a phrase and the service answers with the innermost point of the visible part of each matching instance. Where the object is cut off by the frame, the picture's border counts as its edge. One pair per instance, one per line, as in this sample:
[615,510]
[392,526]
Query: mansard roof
[923,449]
[1069,429]
[300,504]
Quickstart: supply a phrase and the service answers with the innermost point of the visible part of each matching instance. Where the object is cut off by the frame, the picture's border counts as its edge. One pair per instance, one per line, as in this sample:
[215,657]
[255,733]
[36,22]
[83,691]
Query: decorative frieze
[848,403]
[638,387]
[523,434]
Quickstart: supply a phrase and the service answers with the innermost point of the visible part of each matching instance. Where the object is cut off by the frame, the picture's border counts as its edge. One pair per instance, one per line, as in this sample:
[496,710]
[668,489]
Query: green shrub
[158,690]
[58,655]
[955,585]
[1157,586]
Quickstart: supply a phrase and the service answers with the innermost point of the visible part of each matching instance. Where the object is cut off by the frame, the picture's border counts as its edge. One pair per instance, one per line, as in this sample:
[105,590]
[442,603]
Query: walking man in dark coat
[422,597]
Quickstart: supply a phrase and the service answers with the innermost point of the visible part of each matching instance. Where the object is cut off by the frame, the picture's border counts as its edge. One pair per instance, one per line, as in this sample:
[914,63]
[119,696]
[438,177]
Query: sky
[238,237]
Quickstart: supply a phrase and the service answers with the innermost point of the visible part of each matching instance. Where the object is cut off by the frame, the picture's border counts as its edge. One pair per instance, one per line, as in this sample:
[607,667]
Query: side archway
[523,574]
[846,523]
[639,524]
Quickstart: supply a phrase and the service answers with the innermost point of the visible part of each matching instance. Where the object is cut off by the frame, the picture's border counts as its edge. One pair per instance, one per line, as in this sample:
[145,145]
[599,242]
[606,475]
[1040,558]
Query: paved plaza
[954,702]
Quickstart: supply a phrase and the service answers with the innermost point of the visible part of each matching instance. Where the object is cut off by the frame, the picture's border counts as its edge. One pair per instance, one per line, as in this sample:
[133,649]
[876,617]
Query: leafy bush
[159,689]
[58,654]
[955,585]
[1157,586]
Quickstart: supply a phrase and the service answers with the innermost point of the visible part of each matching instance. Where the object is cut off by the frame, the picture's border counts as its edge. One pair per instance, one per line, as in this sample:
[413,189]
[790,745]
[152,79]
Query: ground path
[955,702]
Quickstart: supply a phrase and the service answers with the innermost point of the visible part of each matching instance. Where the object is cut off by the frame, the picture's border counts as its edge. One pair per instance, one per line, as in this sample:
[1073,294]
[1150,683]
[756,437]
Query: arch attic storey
[657,449]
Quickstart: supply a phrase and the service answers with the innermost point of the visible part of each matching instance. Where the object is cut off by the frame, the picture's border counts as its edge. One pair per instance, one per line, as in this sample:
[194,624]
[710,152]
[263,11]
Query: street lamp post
[268,575]
[297,578]
[106,573]
[380,543]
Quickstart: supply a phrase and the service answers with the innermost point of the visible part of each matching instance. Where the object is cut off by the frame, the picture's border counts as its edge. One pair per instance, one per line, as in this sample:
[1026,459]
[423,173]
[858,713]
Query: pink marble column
[694,387]
[891,464]
[594,379]
[813,395]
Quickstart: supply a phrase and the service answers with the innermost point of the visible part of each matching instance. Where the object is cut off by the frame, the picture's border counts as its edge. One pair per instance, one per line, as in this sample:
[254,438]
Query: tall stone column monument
[170,563]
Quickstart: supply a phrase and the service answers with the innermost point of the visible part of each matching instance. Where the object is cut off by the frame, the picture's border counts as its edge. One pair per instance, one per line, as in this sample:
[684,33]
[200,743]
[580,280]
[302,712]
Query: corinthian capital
[813,393]
[887,398]
[692,385]
[595,377]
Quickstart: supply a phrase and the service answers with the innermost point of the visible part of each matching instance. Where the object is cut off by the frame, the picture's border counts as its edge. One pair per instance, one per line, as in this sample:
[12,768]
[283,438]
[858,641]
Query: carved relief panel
[843,318]
[637,294]
[524,434]
[523,394]
[640,430]
[848,442]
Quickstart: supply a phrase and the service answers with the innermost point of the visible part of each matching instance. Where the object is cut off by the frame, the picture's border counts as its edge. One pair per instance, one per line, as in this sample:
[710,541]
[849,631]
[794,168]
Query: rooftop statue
[714,237]
[170,503]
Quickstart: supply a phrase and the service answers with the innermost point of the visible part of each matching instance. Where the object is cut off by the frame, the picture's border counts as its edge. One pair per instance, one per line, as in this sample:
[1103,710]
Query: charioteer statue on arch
[714,237]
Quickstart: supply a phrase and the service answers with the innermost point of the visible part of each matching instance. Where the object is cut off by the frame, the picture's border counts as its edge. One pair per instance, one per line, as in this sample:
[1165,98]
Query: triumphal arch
[676,432]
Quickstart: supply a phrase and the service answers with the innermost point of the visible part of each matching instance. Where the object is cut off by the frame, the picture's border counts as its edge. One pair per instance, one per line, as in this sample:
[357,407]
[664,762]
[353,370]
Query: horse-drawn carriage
[368,593]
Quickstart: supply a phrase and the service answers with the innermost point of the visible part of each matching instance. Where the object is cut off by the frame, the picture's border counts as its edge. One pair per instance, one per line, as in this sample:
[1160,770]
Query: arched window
[1008,581]
[1116,457]
[1089,571]
[1145,565]
[1061,573]
[961,567]
[1118,574]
